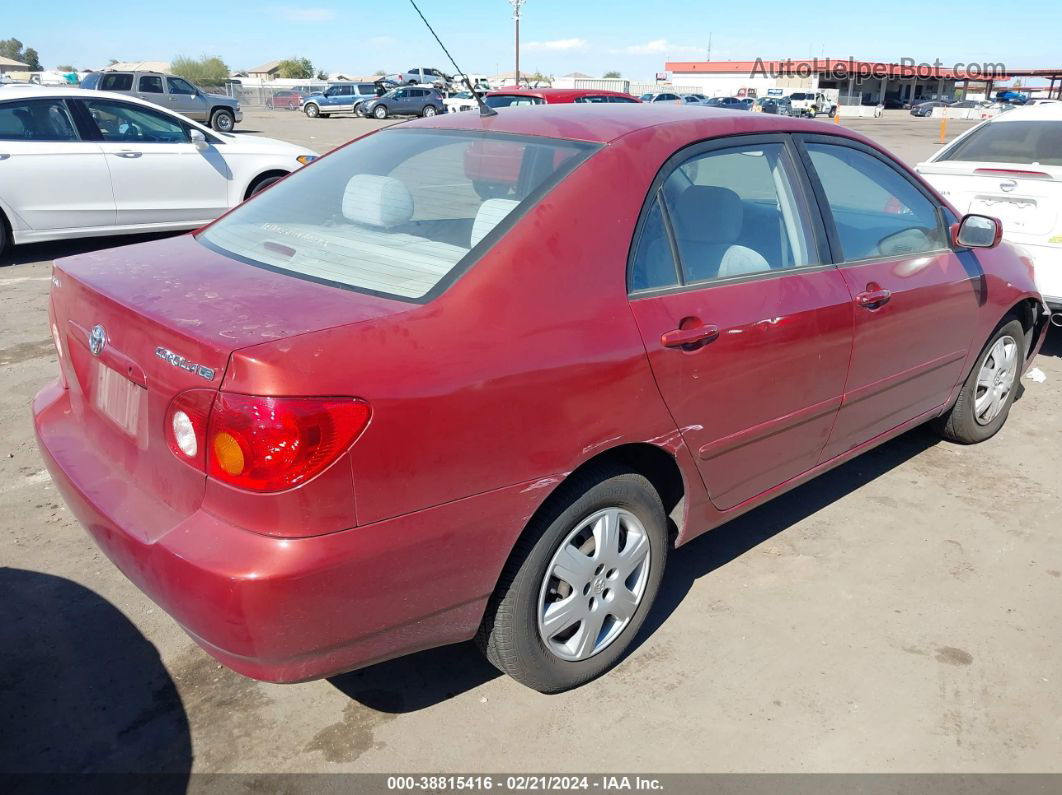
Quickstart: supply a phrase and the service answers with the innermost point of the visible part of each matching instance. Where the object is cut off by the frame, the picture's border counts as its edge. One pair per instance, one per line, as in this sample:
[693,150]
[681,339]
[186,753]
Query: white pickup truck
[812,103]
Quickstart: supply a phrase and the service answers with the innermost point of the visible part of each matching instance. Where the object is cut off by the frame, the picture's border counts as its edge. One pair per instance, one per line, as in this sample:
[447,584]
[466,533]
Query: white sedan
[1010,167]
[76,163]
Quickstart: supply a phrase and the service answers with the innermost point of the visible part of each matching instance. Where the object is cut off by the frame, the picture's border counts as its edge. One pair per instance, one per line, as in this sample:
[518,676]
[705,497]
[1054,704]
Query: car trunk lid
[140,324]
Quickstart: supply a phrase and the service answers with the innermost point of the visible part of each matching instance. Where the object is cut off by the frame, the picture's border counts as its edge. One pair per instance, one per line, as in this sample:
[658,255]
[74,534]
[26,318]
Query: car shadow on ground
[55,249]
[82,690]
[420,680]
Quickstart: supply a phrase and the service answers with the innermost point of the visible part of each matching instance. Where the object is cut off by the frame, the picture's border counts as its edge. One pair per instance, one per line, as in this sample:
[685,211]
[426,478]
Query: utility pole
[516,19]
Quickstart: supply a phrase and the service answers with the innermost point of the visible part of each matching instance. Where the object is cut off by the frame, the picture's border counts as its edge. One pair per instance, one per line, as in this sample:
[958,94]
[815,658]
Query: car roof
[606,122]
[556,93]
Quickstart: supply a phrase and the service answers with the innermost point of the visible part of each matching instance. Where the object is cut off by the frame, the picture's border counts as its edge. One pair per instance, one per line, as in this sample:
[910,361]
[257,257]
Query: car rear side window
[116,82]
[1025,142]
[736,212]
[36,120]
[150,84]
[512,100]
[397,212]
[876,210]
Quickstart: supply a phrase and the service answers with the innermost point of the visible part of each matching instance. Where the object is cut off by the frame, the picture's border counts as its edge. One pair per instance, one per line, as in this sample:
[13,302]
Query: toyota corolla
[372,411]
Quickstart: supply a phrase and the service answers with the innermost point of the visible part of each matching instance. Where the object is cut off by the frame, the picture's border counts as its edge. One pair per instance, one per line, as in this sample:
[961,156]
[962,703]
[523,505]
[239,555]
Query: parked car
[780,106]
[460,101]
[515,97]
[670,97]
[922,109]
[966,104]
[1014,97]
[172,93]
[1010,167]
[406,101]
[320,451]
[425,76]
[288,100]
[338,98]
[1035,102]
[812,103]
[77,163]
[727,103]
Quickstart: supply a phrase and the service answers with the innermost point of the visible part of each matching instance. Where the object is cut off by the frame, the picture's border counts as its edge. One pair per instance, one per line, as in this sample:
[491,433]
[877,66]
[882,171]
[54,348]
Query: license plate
[117,398]
[1017,214]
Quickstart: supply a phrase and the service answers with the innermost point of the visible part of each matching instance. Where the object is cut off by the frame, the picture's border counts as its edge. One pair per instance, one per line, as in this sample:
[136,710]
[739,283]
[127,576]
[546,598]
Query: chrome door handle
[128,153]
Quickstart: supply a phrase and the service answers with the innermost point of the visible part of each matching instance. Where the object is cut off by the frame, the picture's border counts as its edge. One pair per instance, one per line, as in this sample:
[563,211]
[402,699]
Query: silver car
[170,92]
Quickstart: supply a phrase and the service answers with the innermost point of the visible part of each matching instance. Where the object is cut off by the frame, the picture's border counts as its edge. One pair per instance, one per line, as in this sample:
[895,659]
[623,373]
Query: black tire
[223,120]
[311,110]
[509,635]
[380,112]
[359,111]
[262,184]
[429,110]
[5,237]
[960,423]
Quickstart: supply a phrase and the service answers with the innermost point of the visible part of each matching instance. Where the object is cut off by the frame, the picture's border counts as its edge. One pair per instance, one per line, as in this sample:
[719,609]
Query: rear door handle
[681,337]
[872,299]
[128,153]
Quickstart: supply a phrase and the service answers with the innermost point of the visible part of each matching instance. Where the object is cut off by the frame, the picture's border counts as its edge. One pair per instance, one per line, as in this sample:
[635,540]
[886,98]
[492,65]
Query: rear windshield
[1027,142]
[512,100]
[397,212]
[798,96]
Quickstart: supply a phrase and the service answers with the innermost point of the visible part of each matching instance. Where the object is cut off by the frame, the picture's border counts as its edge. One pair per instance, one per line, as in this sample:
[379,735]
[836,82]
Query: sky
[634,37]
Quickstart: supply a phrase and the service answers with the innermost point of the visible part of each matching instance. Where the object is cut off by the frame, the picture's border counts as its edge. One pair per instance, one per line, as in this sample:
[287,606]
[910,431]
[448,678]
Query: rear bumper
[1047,268]
[291,609]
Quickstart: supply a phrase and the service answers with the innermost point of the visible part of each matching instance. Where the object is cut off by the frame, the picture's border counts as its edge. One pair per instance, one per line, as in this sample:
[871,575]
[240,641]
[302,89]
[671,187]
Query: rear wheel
[579,583]
[380,112]
[988,393]
[4,234]
[429,110]
[223,120]
[312,110]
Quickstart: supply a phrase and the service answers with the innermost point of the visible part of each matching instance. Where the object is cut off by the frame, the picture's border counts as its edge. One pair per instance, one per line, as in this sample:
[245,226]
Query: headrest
[491,213]
[377,201]
[709,214]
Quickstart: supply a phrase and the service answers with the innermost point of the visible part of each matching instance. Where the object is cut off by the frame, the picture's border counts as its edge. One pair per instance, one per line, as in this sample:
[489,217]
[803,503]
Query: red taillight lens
[272,443]
[186,425]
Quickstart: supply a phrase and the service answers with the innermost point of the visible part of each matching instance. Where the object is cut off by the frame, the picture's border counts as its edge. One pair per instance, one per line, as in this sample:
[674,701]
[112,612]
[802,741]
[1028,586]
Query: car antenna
[484,108]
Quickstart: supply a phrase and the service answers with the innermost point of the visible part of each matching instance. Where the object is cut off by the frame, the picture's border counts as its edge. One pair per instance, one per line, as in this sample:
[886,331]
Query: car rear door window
[877,211]
[116,81]
[738,212]
[150,84]
[36,120]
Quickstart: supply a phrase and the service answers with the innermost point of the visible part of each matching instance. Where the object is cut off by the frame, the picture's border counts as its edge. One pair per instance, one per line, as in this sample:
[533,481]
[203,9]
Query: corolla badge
[179,361]
[1008,185]
[97,339]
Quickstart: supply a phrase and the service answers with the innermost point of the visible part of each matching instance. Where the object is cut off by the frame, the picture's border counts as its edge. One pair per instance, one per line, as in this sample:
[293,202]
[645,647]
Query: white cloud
[658,47]
[302,13]
[557,44]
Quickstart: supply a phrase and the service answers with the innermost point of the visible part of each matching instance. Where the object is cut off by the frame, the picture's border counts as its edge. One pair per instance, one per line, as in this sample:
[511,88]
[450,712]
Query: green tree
[295,68]
[380,73]
[613,75]
[322,75]
[66,68]
[206,70]
[12,48]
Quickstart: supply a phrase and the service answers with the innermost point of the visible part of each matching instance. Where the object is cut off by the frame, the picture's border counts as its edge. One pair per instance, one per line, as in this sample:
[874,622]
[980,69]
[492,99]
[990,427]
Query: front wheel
[579,583]
[359,111]
[379,112]
[223,120]
[988,393]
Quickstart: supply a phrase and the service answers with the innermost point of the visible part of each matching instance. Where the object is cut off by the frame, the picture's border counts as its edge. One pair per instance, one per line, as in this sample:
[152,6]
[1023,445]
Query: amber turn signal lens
[228,454]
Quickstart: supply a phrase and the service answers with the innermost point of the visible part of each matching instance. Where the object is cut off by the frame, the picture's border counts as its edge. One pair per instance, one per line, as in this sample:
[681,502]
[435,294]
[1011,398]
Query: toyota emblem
[97,339]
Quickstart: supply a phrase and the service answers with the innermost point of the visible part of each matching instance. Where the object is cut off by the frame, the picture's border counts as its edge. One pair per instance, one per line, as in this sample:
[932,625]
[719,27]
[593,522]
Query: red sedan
[292,100]
[513,97]
[369,411]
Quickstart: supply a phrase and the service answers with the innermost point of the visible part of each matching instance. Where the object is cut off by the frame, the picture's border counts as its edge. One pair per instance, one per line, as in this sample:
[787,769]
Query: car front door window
[118,121]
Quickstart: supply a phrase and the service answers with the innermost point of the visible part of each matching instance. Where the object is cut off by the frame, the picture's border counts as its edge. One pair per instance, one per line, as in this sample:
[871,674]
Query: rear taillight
[186,425]
[1013,172]
[272,444]
[262,444]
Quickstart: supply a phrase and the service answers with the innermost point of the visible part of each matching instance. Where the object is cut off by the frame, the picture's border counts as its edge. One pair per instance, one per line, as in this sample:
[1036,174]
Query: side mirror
[977,231]
[198,139]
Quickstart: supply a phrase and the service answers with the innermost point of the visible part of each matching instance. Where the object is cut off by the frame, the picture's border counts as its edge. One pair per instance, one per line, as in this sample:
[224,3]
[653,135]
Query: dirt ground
[901,613]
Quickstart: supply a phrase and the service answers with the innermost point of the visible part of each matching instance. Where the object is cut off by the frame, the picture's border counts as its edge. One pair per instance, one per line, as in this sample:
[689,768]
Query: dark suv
[405,101]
